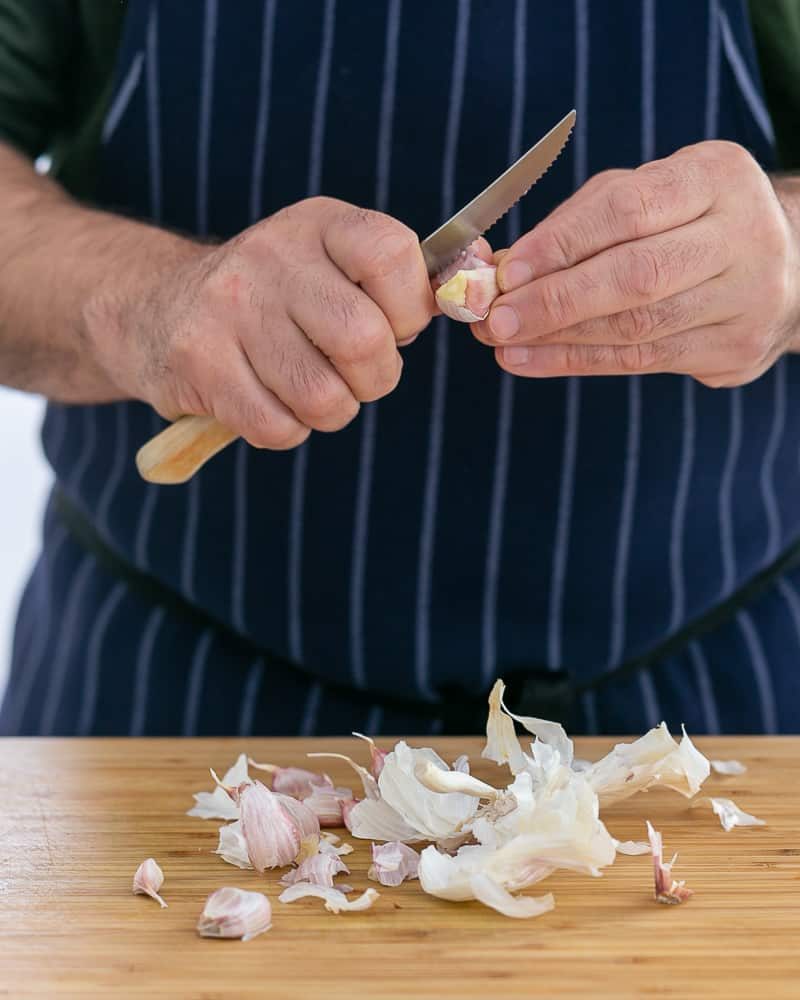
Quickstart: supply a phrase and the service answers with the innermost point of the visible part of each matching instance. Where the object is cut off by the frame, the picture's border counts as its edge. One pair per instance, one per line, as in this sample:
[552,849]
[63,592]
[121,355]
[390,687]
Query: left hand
[687,265]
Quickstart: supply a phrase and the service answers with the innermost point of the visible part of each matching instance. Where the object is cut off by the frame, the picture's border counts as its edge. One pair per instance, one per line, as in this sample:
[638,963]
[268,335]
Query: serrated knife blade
[474,219]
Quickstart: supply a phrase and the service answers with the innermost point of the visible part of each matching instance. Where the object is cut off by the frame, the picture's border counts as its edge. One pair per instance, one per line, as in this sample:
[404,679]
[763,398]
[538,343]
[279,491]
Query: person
[225,220]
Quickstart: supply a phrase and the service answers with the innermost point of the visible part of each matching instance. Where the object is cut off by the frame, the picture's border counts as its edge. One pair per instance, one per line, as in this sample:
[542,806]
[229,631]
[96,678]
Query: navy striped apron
[471,524]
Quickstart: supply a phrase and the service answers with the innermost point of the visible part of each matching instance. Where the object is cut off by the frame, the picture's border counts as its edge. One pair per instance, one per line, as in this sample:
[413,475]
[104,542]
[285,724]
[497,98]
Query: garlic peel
[495,896]
[232,846]
[667,890]
[631,847]
[730,815]
[728,767]
[393,863]
[148,880]
[437,780]
[235,913]
[335,901]
[368,782]
[502,745]
[466,288]
[319,869]
[218,804]
[293,781]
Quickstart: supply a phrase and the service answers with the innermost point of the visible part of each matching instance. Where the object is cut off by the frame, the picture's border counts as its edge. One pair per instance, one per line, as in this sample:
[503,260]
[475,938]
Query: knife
[174,455]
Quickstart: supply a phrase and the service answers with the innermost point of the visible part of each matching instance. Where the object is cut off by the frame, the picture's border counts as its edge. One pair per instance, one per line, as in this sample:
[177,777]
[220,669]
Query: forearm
[67,273]
[787,188]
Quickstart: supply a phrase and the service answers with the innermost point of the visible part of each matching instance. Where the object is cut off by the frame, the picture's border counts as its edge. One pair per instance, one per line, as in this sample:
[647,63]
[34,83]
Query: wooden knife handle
[174,455]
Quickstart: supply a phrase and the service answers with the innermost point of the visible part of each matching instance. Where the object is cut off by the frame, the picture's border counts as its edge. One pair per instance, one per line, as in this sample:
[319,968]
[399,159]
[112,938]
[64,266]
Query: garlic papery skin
[326,804]
[495,896]
[335,901]
[437,780]
[148,880]
[219,804]
[378,756]
[502,745]
[232,846]
[667,890]
[727,767]
[293,781]
[320,869]
[306,820]
[270,832]
[368,782]
[730,815]
[235,913]
[393,863]
[631,847]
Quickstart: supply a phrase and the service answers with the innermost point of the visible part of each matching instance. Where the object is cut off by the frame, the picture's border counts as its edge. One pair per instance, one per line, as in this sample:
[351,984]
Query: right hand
[286,328]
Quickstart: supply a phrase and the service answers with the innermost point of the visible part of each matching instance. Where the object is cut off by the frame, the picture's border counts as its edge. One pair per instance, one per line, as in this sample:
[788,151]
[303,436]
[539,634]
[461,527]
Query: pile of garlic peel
[483,842]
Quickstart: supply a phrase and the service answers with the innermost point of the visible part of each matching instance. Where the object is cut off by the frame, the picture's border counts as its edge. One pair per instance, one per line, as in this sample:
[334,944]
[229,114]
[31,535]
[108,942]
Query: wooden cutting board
[77,817]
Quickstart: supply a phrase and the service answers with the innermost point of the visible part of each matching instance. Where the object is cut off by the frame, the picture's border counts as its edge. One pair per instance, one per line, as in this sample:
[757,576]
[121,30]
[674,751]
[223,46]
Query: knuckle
[362,341]
[556,304]
[633,325]
[753,347]
[643,271]
[388,247]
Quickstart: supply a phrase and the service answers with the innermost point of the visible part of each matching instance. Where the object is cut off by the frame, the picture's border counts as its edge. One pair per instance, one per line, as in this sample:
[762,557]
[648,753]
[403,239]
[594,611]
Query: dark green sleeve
[776,26]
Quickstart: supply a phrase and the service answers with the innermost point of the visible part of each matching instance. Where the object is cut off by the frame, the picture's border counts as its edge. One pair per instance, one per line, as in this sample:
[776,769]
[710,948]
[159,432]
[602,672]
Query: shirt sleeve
[36,38]
[776,28]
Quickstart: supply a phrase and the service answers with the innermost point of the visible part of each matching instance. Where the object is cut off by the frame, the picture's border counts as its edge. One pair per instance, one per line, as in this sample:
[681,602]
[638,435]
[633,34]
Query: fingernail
[516,356]
[503,322]
[513,274]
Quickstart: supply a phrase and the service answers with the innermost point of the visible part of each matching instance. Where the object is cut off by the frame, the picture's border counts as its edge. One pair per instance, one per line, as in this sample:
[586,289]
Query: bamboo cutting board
[77,817]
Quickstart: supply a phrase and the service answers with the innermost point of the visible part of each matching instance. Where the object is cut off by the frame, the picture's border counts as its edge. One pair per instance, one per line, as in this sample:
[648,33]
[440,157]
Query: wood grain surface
[77,817]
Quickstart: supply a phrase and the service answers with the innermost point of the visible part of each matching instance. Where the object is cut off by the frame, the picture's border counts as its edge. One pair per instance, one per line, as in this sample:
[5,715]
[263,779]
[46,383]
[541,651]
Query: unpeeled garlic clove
[148,880]
[466,288]
[235,913]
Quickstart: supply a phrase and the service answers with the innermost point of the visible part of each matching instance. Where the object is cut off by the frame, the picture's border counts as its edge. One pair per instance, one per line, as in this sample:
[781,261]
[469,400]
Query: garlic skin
[667,890]
[727,767]
[730,815]
[235,913]
[272,836]
[232,846]
[319,869]
[631,847]
[502,745]
[293,781]
[393,863]
[326,804]
[466,288]
[335,900]
[218,804]
[495,896]
[377,755]
[148,880]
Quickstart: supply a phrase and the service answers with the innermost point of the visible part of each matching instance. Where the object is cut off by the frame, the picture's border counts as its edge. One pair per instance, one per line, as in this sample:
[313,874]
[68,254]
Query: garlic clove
[667,890]
[467,296]
[148,880]
[393,863]
[335,901]
[319,869]
[235,913]
[232,846]
[437,780]
[495,896]
[218,804]
[293,781]
[727,767]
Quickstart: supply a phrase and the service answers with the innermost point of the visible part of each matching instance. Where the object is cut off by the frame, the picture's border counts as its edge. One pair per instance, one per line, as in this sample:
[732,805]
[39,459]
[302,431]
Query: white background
[24,480]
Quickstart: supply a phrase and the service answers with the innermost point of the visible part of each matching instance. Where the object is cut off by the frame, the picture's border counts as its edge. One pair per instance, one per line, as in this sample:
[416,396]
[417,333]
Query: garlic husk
[326,804]
[235,913]
[368,782]
[730,815]
[495,896]
[148,880]
[335,900]
[551,733]
[293,781]
[502,745]
[653,759]
[728,767]
[272,835]
[631,847]
[393,863]
[372,819]
[667,890]
[218,804]
[329,843]
[304,817]
[437,780]
[466,288]
[377,756]
[461,764]
[319,869]
[232,846]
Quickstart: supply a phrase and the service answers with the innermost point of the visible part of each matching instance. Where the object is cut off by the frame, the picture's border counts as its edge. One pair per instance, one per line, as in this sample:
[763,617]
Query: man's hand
[286,328]
[688,264]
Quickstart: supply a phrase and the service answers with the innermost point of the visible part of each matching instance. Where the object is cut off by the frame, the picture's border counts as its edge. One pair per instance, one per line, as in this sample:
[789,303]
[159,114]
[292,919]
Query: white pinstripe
[569,450]
[789,595]
[64,644]
[239,541]
[704,687]
[433,466]
[589,703]
[94,652]
[747,86]
[725,494]
[506,382]
[369,412]
[262,115]
[308,725]
[194,694]
[144,659]
[374,721]
[652,709]
[767,476]
[679,508]
[300,467]
[87,449]
[758,661]
[250,697]
[148,509]
[712,81]
[121,459]
[122,98]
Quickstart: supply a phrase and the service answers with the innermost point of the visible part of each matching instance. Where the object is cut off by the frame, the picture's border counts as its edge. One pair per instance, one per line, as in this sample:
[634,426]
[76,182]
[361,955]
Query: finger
[302,377]
[706,304]
[242,403]
[699,352]
[618,279]
[656,197]
[384,257]
[349,329]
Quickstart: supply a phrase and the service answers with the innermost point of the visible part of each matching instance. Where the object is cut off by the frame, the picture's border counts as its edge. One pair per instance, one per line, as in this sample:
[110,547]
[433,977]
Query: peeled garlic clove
[235,913]
[148,880]
[667,890]
[437,780]
[270,832]
[466,288]
[294,781]
[378,756]
[728,767]
[393,863]
[335,901]
[319,869]
[218,804]
[232,846]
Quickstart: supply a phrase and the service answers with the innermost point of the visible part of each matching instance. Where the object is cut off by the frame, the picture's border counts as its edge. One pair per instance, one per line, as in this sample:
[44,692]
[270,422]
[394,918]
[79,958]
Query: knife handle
[174,455]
